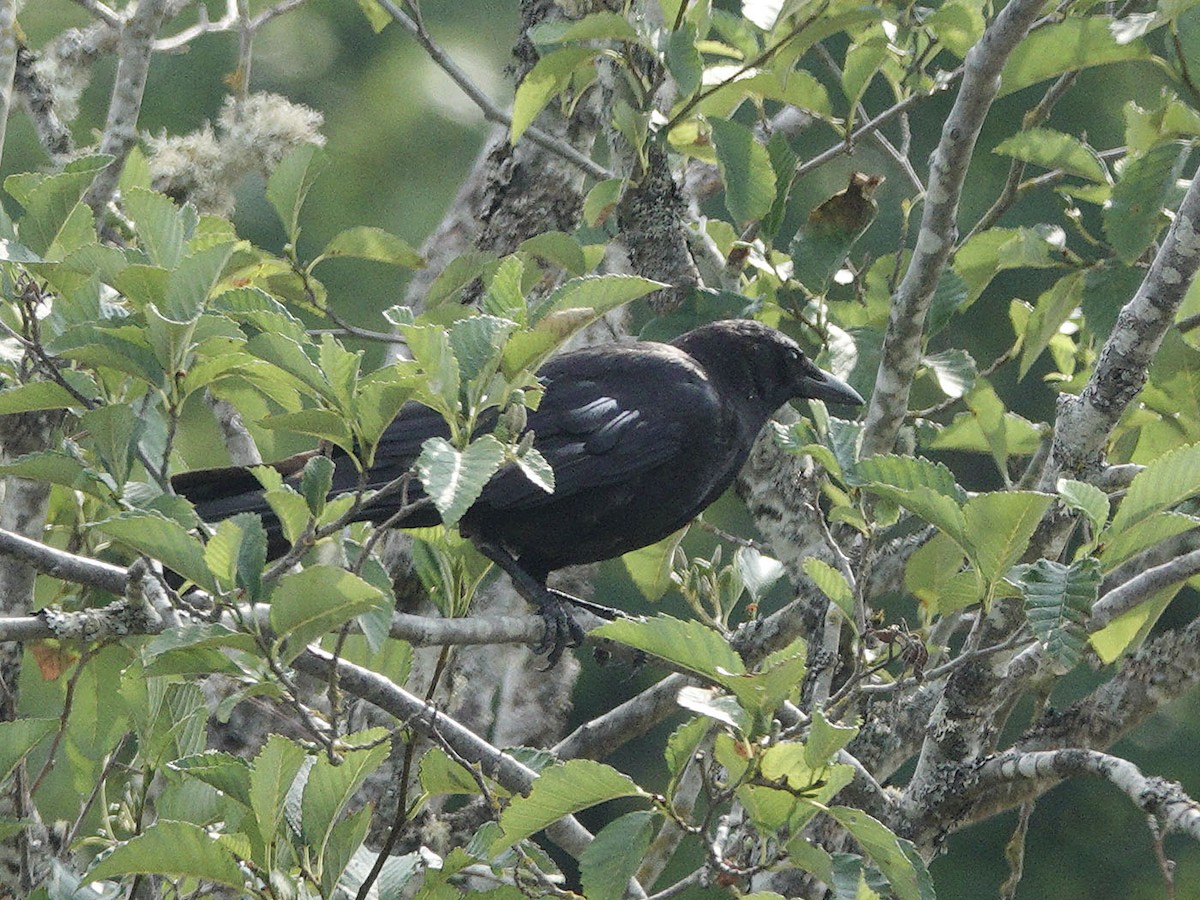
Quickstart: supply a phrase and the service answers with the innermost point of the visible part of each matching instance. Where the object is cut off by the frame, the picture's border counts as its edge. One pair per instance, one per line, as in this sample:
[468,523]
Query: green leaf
[557,248]
[934,576]
[684,61]
[1085,498]
[954,370]
[613,857]
[365,242]
[561,790]
[1052,309]
[274,769]
[885,849]
[322,423]
[823,242]
[650,568]
[160,226]
[309,603]
[163,539]
[595,26]
[927,489]
[189,285]
[439,774]
[1127,632]
[330,787]
[57,467]
[453,479]
[289,185]
[862,62]
[601,201]
[55,221]
[548,77]
[570,308]
[316,480]
[34,396]
[227,773]
[1058,602]
[1074,43]
[1170,479]
[687,644]
[998,529]
[1118,546]
[993,251]
[478,342]
[1055,150]
[173,849]
[1135,216]
[746,171]
[18,738]
[833,585]
[825,739]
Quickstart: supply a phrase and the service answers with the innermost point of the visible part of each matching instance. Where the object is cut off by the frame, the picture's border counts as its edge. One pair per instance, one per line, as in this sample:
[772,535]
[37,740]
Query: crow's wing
[608,416]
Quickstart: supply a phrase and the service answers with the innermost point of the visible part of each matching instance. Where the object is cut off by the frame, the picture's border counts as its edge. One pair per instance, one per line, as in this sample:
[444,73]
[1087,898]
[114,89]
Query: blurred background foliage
[401,138]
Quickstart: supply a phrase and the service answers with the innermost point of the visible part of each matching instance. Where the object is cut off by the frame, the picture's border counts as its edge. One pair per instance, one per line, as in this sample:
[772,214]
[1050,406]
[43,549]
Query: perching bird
[641,438]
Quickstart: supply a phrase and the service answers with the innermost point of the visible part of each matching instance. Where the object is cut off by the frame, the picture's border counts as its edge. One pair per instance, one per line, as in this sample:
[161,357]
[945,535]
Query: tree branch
[939,229]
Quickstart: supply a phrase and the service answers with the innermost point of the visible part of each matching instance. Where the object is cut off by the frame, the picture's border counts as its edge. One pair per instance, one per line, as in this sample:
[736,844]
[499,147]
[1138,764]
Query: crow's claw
[562,631]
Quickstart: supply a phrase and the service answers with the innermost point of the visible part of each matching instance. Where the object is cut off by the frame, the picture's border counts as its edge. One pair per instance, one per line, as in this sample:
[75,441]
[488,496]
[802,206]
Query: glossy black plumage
[641,437]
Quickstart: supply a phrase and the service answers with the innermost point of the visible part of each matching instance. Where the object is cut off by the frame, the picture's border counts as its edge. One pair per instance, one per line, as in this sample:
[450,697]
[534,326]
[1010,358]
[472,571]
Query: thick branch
[939,229]
[1085,423]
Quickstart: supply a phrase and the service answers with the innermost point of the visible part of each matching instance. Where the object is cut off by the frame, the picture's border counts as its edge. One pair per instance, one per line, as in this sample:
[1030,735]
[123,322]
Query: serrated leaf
[1170,479]
[330,787]
[322,423]
[998,529]
[927,489]
[453,479]
[1135,216]
[307,604]
[1058,601]
[18,738]
[289,185]
[163,539]
[1052,309]
[954,370]
[687,644]
[1127,631]
[613,857]
[1054,150]
[745,168]
[159,225]
[271,776]
[934,576]
[227,773]
[34,396]
[557,248]
[684,61]
[366,242]
[549,75]
[173,849]
[477,342]
[1118,546]
[316,480]
[825,739]
[1085,498]
[595,26]
[561,790]
[650,567]
[885,850]
[601,201]
[833,585]
[1074,43]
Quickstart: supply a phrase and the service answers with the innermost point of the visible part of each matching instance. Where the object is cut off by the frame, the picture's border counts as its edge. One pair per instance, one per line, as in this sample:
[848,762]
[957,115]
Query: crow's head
[753,361]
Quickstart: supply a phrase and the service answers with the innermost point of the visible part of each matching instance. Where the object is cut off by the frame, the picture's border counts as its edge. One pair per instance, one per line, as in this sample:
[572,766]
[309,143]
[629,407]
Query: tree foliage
[912,593]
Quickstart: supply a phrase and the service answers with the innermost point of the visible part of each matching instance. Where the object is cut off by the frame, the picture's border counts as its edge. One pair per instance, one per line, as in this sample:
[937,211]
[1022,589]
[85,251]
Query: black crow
[641,437]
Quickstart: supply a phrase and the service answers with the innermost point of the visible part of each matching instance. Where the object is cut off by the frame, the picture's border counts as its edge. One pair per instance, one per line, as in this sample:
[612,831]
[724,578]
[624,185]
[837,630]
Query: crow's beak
[820,385]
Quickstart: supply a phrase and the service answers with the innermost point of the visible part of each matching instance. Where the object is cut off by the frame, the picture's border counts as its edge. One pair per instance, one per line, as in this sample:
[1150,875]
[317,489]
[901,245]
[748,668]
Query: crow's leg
[562,630]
